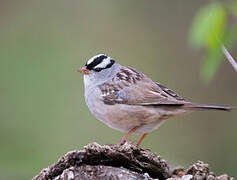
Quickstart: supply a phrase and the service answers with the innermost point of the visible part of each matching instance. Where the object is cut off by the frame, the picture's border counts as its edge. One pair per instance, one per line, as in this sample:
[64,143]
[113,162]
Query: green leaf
[208,26]
[215,56]
[211,63]
[230,37]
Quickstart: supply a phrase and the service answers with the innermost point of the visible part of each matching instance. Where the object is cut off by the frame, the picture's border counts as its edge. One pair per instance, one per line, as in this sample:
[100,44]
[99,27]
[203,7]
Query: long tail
[199,106]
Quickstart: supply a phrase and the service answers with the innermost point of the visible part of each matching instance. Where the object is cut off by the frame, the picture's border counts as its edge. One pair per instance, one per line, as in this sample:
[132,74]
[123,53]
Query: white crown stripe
[94,57]
[104,63]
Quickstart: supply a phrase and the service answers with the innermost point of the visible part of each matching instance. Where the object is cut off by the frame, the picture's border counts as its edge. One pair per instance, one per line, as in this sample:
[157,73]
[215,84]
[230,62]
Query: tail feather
[199,106]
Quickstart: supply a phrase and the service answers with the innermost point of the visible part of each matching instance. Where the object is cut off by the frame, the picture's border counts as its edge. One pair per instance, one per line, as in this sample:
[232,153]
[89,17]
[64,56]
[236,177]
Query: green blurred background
[42,110]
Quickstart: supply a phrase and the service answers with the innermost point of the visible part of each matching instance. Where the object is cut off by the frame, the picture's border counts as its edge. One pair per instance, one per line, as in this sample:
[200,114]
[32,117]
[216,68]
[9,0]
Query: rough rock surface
[121,162]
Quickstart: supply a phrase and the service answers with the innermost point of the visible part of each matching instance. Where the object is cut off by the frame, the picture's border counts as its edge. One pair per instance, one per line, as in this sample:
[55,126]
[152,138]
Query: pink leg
[124,138]
[141,138]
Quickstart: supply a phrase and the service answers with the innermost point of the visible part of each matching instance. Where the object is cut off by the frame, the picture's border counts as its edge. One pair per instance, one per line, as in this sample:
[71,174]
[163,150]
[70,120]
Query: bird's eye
[98,69]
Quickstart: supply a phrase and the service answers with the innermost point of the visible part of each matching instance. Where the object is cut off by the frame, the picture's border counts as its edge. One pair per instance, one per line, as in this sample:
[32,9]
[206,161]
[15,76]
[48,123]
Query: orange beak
[83,70]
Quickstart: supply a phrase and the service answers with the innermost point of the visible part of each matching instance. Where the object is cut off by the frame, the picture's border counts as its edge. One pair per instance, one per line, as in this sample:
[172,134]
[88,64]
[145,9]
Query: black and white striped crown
[99,62]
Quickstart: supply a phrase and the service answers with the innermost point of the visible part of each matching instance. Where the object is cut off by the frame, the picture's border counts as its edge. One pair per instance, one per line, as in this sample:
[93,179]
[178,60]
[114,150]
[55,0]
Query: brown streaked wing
[132,87]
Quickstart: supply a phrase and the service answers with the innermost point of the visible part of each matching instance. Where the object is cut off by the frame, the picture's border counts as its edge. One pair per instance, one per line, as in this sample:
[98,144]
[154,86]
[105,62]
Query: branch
[229,58]
[121,162]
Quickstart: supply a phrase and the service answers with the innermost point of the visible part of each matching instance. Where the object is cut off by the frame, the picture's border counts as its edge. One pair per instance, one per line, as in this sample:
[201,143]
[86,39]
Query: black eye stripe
[110,64]
[95,62]
[98,69]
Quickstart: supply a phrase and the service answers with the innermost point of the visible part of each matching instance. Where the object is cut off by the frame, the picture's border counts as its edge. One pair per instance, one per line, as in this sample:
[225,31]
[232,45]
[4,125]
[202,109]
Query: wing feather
[132,87]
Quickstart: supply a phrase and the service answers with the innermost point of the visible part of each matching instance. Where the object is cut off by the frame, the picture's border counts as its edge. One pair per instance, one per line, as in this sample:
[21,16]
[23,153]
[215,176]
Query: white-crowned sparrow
[129,101]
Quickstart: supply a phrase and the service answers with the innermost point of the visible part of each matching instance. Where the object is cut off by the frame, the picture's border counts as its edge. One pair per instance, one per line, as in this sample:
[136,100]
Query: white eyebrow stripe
[104,63]
[92,59]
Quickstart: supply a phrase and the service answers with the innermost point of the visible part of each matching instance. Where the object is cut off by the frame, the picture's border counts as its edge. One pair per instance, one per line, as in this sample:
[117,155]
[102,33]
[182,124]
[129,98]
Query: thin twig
[229,58]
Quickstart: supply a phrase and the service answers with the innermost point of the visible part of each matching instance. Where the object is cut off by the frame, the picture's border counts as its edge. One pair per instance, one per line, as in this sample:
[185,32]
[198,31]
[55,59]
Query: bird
[127,100]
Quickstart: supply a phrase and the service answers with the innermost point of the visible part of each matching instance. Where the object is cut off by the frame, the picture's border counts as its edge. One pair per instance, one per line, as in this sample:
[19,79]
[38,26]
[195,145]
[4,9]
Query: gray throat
[97,78]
